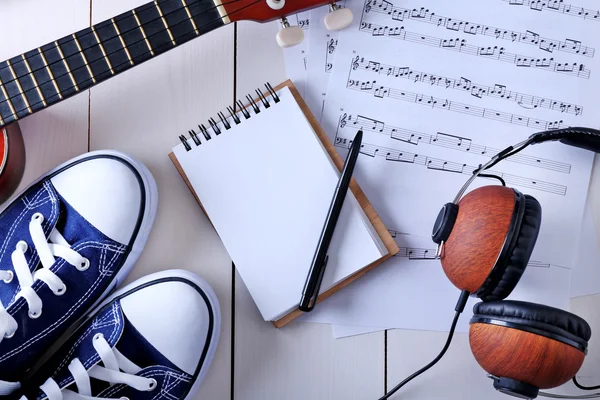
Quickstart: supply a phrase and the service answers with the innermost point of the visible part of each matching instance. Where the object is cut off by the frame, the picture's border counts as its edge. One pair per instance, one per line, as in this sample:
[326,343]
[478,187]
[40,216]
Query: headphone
[485,240]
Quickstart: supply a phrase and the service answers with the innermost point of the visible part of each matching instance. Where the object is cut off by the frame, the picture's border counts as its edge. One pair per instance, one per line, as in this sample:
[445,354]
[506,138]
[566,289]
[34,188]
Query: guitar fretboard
[63,68]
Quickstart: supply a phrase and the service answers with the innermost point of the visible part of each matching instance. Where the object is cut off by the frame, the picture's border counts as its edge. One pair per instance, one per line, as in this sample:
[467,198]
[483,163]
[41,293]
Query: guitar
[56,71]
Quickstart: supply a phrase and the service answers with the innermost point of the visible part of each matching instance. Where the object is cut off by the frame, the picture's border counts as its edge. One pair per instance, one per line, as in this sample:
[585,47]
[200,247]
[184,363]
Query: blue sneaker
[152,340]
[66,243]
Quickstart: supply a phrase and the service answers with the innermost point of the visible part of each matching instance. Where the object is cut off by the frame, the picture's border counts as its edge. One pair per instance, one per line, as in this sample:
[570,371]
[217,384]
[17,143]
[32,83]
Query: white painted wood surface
[142,112]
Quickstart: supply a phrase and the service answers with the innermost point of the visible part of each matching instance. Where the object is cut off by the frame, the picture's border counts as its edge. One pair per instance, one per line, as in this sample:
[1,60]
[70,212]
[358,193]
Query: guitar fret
[65,67]
[164,21]
[122,41]
[143,32]
[50,73]
[222,11]
[110,67]
[35,82]
[64,60]
[85,61]
[12,71]
[189,14]
[8,101]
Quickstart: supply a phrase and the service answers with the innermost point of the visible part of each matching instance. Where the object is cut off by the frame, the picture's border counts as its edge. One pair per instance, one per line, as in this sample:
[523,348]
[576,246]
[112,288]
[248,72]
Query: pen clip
[313,299]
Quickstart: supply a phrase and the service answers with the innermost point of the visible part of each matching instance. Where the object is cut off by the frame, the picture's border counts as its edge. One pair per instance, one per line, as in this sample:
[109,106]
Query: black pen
[319,262]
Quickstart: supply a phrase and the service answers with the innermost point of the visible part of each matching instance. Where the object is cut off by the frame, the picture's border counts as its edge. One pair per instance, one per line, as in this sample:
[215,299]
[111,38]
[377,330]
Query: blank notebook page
[266,185]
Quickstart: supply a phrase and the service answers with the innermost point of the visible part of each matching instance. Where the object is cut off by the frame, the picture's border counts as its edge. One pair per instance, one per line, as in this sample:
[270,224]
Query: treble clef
[368,6]
[355,64]
[343,120]
[331,46]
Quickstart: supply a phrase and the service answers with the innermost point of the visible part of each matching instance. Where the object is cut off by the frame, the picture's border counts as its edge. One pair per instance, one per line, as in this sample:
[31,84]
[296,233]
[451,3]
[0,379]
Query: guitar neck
[51,73]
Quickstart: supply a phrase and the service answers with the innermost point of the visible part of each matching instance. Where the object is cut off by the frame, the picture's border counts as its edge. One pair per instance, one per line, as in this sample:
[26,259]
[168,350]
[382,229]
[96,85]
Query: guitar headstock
[269,10]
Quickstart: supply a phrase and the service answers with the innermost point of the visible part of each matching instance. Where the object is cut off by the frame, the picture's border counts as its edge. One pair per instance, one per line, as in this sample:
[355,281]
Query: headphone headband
[584,138]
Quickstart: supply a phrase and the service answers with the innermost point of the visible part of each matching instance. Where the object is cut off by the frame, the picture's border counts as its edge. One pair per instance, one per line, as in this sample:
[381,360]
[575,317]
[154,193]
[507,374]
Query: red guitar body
[12,160]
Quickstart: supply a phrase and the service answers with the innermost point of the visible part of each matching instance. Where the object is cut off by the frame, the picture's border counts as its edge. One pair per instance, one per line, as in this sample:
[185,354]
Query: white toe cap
[106,192]
[174,317]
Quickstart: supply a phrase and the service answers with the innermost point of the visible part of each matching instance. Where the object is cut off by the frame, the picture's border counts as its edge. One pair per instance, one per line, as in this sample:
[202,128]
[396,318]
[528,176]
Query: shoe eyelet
[34,315]
[61,290]
[10,277]
[37,217]
[85,264]
[152,384]
[22,245]
[98,336]
[10,335]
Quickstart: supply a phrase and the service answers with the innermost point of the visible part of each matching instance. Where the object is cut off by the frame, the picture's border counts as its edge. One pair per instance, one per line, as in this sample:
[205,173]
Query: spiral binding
[223,124]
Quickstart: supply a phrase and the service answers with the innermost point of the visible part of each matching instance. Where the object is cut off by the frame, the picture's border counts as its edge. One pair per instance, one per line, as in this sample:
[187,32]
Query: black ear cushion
[538,316]
[519,255]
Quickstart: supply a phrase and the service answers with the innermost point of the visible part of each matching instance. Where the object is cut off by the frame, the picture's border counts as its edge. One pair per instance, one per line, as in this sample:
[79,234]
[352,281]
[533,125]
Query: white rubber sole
[214,304]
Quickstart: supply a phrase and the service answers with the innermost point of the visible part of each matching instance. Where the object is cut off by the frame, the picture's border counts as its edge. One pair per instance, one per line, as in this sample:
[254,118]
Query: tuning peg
[338,18]
[289,36]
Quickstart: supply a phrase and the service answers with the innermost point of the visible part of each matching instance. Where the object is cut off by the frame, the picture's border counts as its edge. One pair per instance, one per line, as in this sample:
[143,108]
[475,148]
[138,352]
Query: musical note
[367,124]
[494,52]
[464,84]
[382,91]
[439,165]
[471,28]
[448,141]
[558,6]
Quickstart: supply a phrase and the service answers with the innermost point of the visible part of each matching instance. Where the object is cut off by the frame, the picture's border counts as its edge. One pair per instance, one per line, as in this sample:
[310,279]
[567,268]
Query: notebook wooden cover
[380,228]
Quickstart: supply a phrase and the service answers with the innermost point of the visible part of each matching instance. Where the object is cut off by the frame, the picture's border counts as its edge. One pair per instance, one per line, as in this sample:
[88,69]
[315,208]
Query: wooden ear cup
[478,236]
[525,360]
[527,346]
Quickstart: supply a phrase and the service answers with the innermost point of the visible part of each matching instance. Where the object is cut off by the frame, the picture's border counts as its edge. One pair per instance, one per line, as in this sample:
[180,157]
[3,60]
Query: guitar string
[19,95]
[116,19]
[87,80]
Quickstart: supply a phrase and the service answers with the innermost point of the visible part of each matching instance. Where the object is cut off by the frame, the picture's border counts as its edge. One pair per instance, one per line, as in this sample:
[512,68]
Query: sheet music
[323,44]
[438,87]
[402,292]
[296,57]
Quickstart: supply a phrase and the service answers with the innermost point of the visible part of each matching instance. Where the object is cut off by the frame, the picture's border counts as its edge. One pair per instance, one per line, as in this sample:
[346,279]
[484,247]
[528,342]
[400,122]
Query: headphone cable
[580,386]
[460,306]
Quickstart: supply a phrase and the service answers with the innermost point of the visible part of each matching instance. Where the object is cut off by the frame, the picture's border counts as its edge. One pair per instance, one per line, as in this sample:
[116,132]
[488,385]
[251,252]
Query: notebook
[265,177]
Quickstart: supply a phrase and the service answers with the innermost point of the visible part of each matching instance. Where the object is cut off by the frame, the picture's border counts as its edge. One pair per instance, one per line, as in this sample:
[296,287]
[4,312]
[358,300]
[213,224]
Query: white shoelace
[47,251]
[114,362]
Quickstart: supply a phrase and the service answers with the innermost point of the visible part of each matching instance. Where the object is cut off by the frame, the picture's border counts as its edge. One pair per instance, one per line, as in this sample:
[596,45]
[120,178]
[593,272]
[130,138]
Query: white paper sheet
[585,278]
[434,105]
[296,57]
[253,192]
[411,291]
[323,44]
